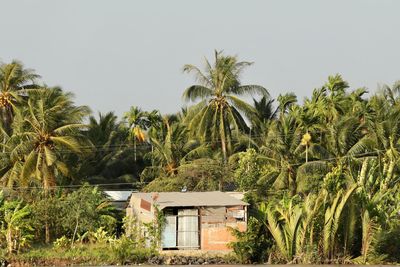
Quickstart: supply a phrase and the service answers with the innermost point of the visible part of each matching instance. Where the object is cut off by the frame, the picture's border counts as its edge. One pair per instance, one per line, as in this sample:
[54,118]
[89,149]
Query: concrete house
[194,220]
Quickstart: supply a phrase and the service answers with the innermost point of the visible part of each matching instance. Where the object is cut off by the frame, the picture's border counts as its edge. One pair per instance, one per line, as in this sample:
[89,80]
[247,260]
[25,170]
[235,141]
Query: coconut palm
[392,94]
[264,108]
[173,150]
[285,102]
[218,115]
[50,127]
[137,124]
[111,153]
[10,168]
[265,114]
[384,129]
[335,97]
[14,78]
[284,151]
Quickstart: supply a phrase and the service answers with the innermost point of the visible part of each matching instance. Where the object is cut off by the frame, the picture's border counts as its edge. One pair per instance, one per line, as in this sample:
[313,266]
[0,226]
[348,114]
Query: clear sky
[115,54]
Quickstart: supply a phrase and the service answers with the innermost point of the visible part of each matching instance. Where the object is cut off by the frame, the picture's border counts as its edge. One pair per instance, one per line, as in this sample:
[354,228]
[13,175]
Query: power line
[197,163]
[148,145]
[71,186]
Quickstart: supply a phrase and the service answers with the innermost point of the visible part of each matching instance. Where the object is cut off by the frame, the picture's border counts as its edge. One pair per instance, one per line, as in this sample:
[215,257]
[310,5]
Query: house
[193,220]
[118,198]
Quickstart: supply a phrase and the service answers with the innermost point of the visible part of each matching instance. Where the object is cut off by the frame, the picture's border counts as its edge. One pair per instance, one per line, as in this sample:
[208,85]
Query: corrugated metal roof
[119,195]
[191,199]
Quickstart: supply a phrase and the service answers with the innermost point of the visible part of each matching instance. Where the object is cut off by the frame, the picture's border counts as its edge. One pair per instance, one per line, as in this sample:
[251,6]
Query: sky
[122,53]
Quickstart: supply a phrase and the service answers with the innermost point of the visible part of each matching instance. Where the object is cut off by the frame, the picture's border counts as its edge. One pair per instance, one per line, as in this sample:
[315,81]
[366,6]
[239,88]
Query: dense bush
[252,245]
[388,244]
[128,251]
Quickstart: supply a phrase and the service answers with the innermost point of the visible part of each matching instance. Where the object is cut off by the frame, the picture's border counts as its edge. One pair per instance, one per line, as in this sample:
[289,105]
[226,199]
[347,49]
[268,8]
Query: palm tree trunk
[223,137]
[46,224]
[223,145]
[306,153]
[8,118]
[134,148]
[46,187]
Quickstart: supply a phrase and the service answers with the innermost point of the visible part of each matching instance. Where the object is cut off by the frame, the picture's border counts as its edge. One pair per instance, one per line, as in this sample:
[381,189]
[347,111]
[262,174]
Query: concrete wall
[144,212]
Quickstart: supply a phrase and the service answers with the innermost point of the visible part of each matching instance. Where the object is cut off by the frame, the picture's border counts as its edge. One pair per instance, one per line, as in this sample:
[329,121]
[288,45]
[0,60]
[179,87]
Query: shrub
[125,250]
[100,236]
[62,242]
[388,243]
[251,246]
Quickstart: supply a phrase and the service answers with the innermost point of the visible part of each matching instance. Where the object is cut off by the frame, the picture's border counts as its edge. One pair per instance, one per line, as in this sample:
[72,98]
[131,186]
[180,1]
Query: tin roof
[191,199]
[118,195]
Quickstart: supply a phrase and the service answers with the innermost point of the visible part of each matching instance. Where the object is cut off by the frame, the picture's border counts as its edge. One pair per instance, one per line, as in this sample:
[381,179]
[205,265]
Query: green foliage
[322,175]
[49,126]
[388,243]
[100,236]
[81,254]
[283,222]
[249,170]
[86,209]
[131,247]
[253,244]
[128,251]
[62,242]
[16,229]
[218,116]
[73,214]
[196,175]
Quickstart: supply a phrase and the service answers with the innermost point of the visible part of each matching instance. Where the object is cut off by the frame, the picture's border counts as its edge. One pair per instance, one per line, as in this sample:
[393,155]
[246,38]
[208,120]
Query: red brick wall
[218,236]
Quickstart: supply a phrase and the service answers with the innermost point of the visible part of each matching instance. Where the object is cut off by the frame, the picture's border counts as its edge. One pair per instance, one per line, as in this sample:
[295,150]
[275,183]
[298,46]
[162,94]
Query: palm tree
[14,78]
[137,124]
[292,225]
[333,216]
[10,168]
[335,97]
[173,150]
[103,131]
[280,149]
[264,108]
[285,102]
[219,113]
[265,114]
[108,138]
[283,221]
[392,94]
[50,127]
[283,150]
[384,129]
[374,194]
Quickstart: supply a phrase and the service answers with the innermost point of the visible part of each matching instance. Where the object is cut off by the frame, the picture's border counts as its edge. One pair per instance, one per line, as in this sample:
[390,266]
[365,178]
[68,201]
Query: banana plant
[15,225]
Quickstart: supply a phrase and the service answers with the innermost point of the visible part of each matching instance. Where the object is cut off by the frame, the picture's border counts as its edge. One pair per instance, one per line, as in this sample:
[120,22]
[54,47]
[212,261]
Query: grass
[88,254]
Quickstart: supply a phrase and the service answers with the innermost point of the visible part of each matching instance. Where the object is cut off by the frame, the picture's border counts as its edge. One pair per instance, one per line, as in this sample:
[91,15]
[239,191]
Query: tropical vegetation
[321,174]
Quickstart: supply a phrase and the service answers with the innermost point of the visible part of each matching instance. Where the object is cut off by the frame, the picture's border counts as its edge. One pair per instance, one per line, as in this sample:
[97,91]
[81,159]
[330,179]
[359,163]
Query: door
[188,229]
[168,236]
